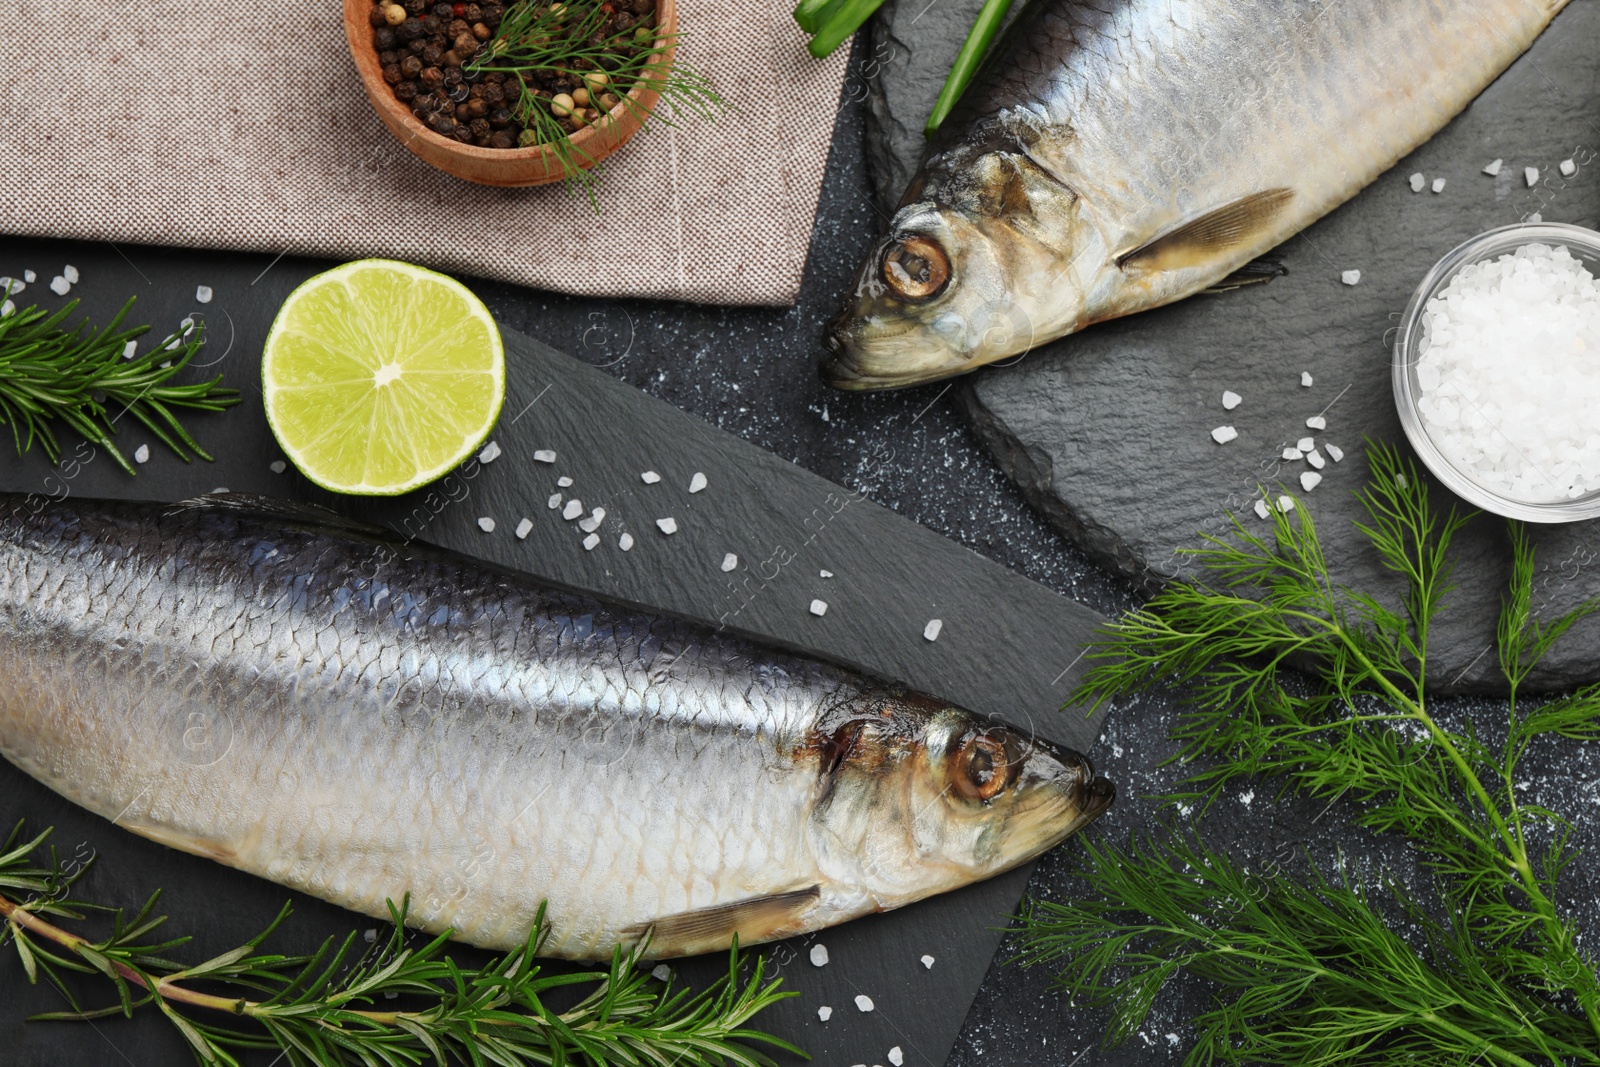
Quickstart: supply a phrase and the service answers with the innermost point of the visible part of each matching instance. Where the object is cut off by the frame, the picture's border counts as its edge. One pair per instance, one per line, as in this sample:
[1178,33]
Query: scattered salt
[697,483]
[1315,459]
[70,273]
[524,528]
[370,936]
[486,524]
[130,350]
[141,454]
[864,1003]
[1293,454]
[649,477]
[667,525]
[1306,379]
[661,973]
[896,1057]
[625,542]
[825,574]
[1286,503]
[824,1013]
[60,286]
[1438,185]
[1532,175]
[590,542]
[1493,169]
[819,955]
[12,286]
[729,562]
[1569,167]
[927,961]
[554,501]
[592,523]
[544,455]
[1262,510]
[1223,434]
[277,466]
[1351,277]
[1309,480]
[490,453]
[29,276]
[1230,399]
[573,509]
[1306,444]
[1316,422]
[930,632]
[202,294]
[1418,182]
[1335,452]
[564,482]
[1535,218]
[819,608]
[7,309]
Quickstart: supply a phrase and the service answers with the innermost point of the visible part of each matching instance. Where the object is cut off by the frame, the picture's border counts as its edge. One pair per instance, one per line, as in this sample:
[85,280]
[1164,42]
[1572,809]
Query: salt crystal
[625,542]
[202,294]
[490,453]
[927,961]
[1536,218]
[729,562]
[649,477]
[564,482]
[1351,277]
[592,523]
[524,528]
[70,273]
[370,936]
[1438,185]
[141,454]
[1493,169]
[486,524]
[1336,452]
[554,501]
[819,955]
[930,632]
[1306,379]
[130,350]
[1262,510]
[697,483]
[277,466]
[1230,400]
[668,525]
[1223,434]
[1418,182]
[1306,444]
[590,542]
[29,276]
[1532,175]
[1315,459]
[864,1003]
[819,608]
[826,574]
[1292,454]
[544,455]
[661,973]
[1569,167]
[824,1013]
[1309,480]
[1316,422]
[7,309]
[1286,503]
[896,1057]
[573,509]
[60,286]
[11,285]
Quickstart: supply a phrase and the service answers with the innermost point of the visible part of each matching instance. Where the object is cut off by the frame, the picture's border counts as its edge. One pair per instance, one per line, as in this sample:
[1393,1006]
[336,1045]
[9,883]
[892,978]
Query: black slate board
[1009,647]
[1107,432]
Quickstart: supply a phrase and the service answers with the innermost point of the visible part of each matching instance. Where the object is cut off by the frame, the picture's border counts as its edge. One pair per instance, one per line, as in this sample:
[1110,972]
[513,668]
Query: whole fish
[320,704]
[1119,156]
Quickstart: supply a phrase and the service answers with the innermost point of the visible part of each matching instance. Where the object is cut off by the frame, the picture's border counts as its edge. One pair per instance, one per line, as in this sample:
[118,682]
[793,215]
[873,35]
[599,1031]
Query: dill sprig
[1319,973]
[321,1010]
[80,377]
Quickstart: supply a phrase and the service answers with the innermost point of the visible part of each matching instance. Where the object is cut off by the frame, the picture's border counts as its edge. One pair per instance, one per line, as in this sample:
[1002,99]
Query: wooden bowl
[537,165]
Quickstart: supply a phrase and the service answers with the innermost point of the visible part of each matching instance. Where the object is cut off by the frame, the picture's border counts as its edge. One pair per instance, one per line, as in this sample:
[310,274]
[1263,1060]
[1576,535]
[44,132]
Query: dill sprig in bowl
[578,79]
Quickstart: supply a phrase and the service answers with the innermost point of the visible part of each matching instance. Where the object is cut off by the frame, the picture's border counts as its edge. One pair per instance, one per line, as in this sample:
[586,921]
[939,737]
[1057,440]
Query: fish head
[923,798]
[988,256]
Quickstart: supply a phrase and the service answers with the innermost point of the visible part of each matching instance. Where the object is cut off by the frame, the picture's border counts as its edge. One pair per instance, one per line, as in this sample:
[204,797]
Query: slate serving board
[1008,647]
[1108,432]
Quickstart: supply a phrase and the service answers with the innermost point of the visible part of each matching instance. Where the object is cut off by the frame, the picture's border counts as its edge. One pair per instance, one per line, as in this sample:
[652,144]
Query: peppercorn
[391,73]
[384,39]
[443,124]
[464,44]
[431,25]
[433,55]
[405,91]
[385,58]
[452,60]
[457,94]
[492,93]
[410,29]
[375,16]
[462,134]
[480,128]
[623,22]
[494,77]
[472,74]
[452,79]
[643,7]
[432,77]
[502,139]
[416,47]
[481,32]
[411,66]
[607,101]
[414,7]
[474,13]
[500,118]
[492,13]
[478,108]
[580,96]
[446,12]
[458,10]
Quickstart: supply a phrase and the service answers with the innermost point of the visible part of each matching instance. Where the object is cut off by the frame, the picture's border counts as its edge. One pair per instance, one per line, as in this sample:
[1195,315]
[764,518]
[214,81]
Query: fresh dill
[1482,964]
[323,1010]
[80,376]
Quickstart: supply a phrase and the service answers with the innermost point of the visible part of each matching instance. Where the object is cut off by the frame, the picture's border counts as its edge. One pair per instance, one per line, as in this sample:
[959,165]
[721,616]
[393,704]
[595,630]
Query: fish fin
[1199,241]
[755,920]
[198,846]
[290,511]
[1256,272]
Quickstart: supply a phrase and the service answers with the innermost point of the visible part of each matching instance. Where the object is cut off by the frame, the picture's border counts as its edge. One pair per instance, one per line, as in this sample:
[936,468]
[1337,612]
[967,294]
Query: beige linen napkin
[241,124]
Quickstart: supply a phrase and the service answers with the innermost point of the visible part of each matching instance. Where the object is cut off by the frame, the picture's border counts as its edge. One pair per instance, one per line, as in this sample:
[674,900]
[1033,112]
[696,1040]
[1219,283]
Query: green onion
[966,65]
[842,18]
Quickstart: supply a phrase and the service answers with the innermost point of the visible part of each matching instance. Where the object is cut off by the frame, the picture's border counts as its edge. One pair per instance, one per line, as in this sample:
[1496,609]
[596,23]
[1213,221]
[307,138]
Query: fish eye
[916,268]
[982,767]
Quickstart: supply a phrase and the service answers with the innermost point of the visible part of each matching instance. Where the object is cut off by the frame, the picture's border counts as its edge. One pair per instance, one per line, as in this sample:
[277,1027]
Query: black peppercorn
[458,94]
[411,29]
[463,134]
[391,73]
[432,55]
[500,118]
[443,124]
[385,58]
[474,13]
[452,78]
[406,91]
[456,27]
[444,11]
[411,66]
[465,45]
[384,39]
[416,47]
[623,22]
[431,25]
[494,77]
[476,109]
[492,14]
[472,74]
[375,16]
[452,60]
[492,93]
[414,7]
[480,128]
[502,139]
[432,77]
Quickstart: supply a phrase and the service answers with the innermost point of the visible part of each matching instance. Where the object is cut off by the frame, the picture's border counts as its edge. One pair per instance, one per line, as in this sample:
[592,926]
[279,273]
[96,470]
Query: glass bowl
[1585,246]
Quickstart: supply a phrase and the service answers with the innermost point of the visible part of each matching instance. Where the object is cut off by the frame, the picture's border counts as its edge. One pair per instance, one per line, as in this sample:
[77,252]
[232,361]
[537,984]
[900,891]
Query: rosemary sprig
[1312,967]
[320,1010]
[80,377]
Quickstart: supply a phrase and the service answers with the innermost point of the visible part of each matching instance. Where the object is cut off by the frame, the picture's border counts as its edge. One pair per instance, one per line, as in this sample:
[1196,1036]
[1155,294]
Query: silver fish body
[1119,156]
[322,705]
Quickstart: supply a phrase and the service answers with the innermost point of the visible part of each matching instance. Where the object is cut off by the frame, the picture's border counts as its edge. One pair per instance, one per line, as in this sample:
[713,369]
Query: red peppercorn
[458,10]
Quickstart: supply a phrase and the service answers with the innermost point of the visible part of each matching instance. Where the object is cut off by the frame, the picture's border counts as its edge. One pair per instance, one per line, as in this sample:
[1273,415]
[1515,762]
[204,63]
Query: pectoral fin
[710,929]
[1215,234]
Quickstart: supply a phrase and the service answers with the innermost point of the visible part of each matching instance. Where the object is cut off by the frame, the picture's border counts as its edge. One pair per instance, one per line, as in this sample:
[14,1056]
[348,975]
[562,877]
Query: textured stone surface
[1108,432]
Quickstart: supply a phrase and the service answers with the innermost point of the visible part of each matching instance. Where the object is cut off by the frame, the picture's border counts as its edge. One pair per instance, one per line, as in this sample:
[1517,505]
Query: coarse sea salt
[544,455]
[524,528]
[927,962]
[824,1013]
[1493,169]
[1335,453]
[1286,503]
[1223,434]
[864,1002]
[661,973]
[277,466]
[490,453]
[141,454]
[897,1057]
[819,955]
[70,273]
[1351,277]
[1531,174]
[649,477]
[1305,444]
[625,542]
[930,632]
[1230,399]
[697,483]
[667,526]
[590,542]
[729,562]
[1306,379]
[554,501]
[1262,510]
[60,286]
[592,523]
[1508,374]
[1309,480]
[130,350]
[202,294]
[1418,182]
[1569,167]
[29,276]
[564,482]
[573,509]
[1315,459]
[486,524]
[1292,454]
[819,608]
[1438,185]
[1316,422]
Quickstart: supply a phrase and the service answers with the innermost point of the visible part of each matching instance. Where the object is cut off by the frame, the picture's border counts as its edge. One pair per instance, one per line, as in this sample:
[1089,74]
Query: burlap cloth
[239,124]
